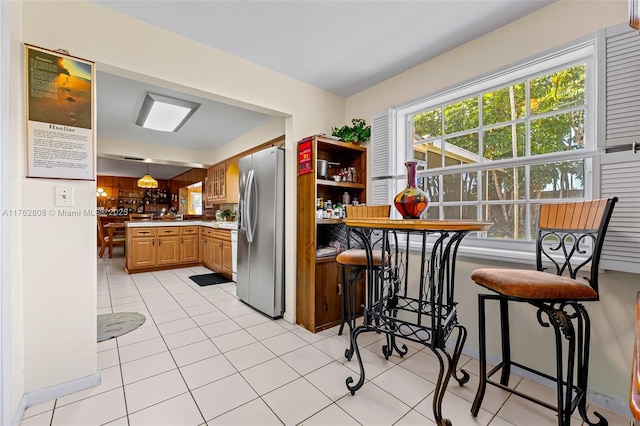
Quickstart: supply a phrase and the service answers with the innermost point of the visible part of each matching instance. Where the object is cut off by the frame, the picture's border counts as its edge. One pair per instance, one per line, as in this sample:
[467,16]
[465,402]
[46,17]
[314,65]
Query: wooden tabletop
[418,224]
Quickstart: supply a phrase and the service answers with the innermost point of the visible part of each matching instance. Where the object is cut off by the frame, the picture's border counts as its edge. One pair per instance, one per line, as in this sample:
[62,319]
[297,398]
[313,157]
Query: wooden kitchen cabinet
[206,246]
[216,180]
[168,246]
[189,250]
[225,264]
[142,253]
[216,250]
[153,248]
[222,184]
[318,299]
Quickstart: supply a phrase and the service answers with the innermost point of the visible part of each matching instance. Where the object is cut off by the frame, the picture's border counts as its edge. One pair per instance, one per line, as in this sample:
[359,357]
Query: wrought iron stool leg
[506,342]
[482,357]
[343,298]
[584,339]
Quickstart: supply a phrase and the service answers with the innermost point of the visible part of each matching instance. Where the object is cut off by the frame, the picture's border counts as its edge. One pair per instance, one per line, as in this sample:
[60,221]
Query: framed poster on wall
[60,115]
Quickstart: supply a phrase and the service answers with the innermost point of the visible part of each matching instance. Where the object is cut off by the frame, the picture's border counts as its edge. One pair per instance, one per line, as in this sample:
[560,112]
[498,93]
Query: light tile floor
[204,357]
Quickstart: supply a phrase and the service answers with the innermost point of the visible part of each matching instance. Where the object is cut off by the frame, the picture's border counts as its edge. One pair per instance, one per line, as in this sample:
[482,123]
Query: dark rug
[115,325]
[210,279]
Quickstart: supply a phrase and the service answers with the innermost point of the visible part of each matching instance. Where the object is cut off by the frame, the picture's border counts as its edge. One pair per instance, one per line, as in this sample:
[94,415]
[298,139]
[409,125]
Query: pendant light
[147,181]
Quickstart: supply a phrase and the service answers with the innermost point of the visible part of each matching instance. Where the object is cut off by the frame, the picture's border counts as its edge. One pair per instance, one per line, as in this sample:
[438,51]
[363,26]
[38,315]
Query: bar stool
[570,235]
[356,261]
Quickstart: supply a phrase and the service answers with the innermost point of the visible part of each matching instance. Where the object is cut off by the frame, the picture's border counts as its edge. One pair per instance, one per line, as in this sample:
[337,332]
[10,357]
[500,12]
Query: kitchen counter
[156,223]
[155,245]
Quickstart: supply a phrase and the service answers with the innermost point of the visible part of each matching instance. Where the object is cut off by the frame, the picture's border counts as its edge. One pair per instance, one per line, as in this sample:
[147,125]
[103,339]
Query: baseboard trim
[57,391]
[17,418]
[289,318]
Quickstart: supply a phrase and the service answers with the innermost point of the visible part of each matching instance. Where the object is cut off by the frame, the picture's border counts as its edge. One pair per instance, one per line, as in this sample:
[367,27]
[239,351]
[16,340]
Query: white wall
[54,276]
[613,317]
[270,130]
[57,257]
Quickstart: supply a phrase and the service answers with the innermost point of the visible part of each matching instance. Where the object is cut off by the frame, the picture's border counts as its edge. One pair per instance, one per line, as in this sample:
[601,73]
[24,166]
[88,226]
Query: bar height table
[425,313]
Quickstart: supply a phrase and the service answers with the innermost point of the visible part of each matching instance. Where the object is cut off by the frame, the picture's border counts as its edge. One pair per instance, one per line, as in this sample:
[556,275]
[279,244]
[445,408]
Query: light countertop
[156,223]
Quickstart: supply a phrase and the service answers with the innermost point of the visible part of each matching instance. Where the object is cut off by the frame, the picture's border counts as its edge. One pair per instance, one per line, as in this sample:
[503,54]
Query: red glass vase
[412,201]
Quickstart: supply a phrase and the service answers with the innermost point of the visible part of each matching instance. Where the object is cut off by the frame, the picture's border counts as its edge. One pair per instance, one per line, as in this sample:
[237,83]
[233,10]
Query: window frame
[479,246]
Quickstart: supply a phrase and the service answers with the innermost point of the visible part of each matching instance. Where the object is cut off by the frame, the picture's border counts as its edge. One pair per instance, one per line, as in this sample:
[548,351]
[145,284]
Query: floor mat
[117,324]
[210,279]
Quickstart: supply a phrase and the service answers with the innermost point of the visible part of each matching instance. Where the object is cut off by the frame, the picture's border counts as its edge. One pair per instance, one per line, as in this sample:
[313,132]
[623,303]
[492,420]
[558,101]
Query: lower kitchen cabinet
[216,250]
[328,298]
[168,246]
[189,248]
[226,260]
[141,253]
[149,248]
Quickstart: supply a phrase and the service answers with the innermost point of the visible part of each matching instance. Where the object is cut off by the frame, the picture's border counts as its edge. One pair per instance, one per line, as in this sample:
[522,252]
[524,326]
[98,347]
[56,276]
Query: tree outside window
[523,124]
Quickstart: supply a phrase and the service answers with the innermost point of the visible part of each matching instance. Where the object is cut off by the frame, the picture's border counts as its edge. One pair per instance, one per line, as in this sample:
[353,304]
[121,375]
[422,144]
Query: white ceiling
[212,125]
[341,46]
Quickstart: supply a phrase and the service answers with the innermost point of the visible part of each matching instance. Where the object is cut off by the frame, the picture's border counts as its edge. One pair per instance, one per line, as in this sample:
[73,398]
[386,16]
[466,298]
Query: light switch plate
[64,195]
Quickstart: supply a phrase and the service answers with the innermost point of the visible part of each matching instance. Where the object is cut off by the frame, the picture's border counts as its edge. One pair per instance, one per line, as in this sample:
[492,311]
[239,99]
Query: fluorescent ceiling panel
[164,113]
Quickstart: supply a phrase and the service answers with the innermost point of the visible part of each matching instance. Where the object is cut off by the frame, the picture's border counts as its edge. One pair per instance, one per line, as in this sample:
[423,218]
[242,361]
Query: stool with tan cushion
[356,261]
[570,236]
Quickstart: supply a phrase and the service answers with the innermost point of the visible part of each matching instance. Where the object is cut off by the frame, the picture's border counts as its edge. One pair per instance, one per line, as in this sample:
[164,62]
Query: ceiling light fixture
[634,14]
[164,113]
[147,181]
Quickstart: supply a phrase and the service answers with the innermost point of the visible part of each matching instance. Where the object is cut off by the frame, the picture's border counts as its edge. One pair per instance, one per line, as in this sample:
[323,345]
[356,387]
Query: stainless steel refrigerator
[260,280]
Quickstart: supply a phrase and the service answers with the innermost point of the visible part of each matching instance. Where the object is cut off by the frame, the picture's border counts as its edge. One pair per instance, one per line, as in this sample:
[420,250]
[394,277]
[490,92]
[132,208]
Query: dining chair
[569,237]
[105,241]
[141,216]
[355,261]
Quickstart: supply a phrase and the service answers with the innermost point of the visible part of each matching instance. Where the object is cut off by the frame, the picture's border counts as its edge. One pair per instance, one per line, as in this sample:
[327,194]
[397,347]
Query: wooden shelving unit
[318,300]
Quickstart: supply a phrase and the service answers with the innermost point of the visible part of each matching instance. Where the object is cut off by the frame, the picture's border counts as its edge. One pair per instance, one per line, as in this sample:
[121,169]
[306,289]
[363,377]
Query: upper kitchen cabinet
[221,185]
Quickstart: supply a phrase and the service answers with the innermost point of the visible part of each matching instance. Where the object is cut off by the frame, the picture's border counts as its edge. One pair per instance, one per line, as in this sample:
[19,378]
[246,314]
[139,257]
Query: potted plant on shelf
[228,215]
[359,132]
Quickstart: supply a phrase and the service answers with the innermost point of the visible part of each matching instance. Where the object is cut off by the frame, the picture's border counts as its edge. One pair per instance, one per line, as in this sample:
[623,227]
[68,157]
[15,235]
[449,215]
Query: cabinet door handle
[159,241]
[153,242]
[166,231]
[339,289]
[144,232]
[182,240]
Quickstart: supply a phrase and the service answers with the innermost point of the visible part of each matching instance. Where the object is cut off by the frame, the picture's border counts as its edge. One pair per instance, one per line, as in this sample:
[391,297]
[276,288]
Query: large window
[497,148]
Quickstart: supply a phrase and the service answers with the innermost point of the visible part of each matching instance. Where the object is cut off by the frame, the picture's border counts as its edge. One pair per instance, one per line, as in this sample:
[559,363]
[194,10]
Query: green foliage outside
[556,124]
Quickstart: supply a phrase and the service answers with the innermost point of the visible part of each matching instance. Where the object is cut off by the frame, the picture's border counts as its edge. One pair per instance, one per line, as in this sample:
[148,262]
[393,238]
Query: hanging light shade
[147,181]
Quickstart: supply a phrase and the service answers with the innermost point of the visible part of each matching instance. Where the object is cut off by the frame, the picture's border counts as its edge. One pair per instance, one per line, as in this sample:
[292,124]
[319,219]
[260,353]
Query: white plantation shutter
[383,150]
[620,177]
[619,128]
[382,191]
[619,69]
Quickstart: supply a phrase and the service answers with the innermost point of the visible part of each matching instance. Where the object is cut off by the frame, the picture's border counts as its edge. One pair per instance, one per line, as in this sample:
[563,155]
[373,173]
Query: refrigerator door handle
[249,208]
[241,226]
